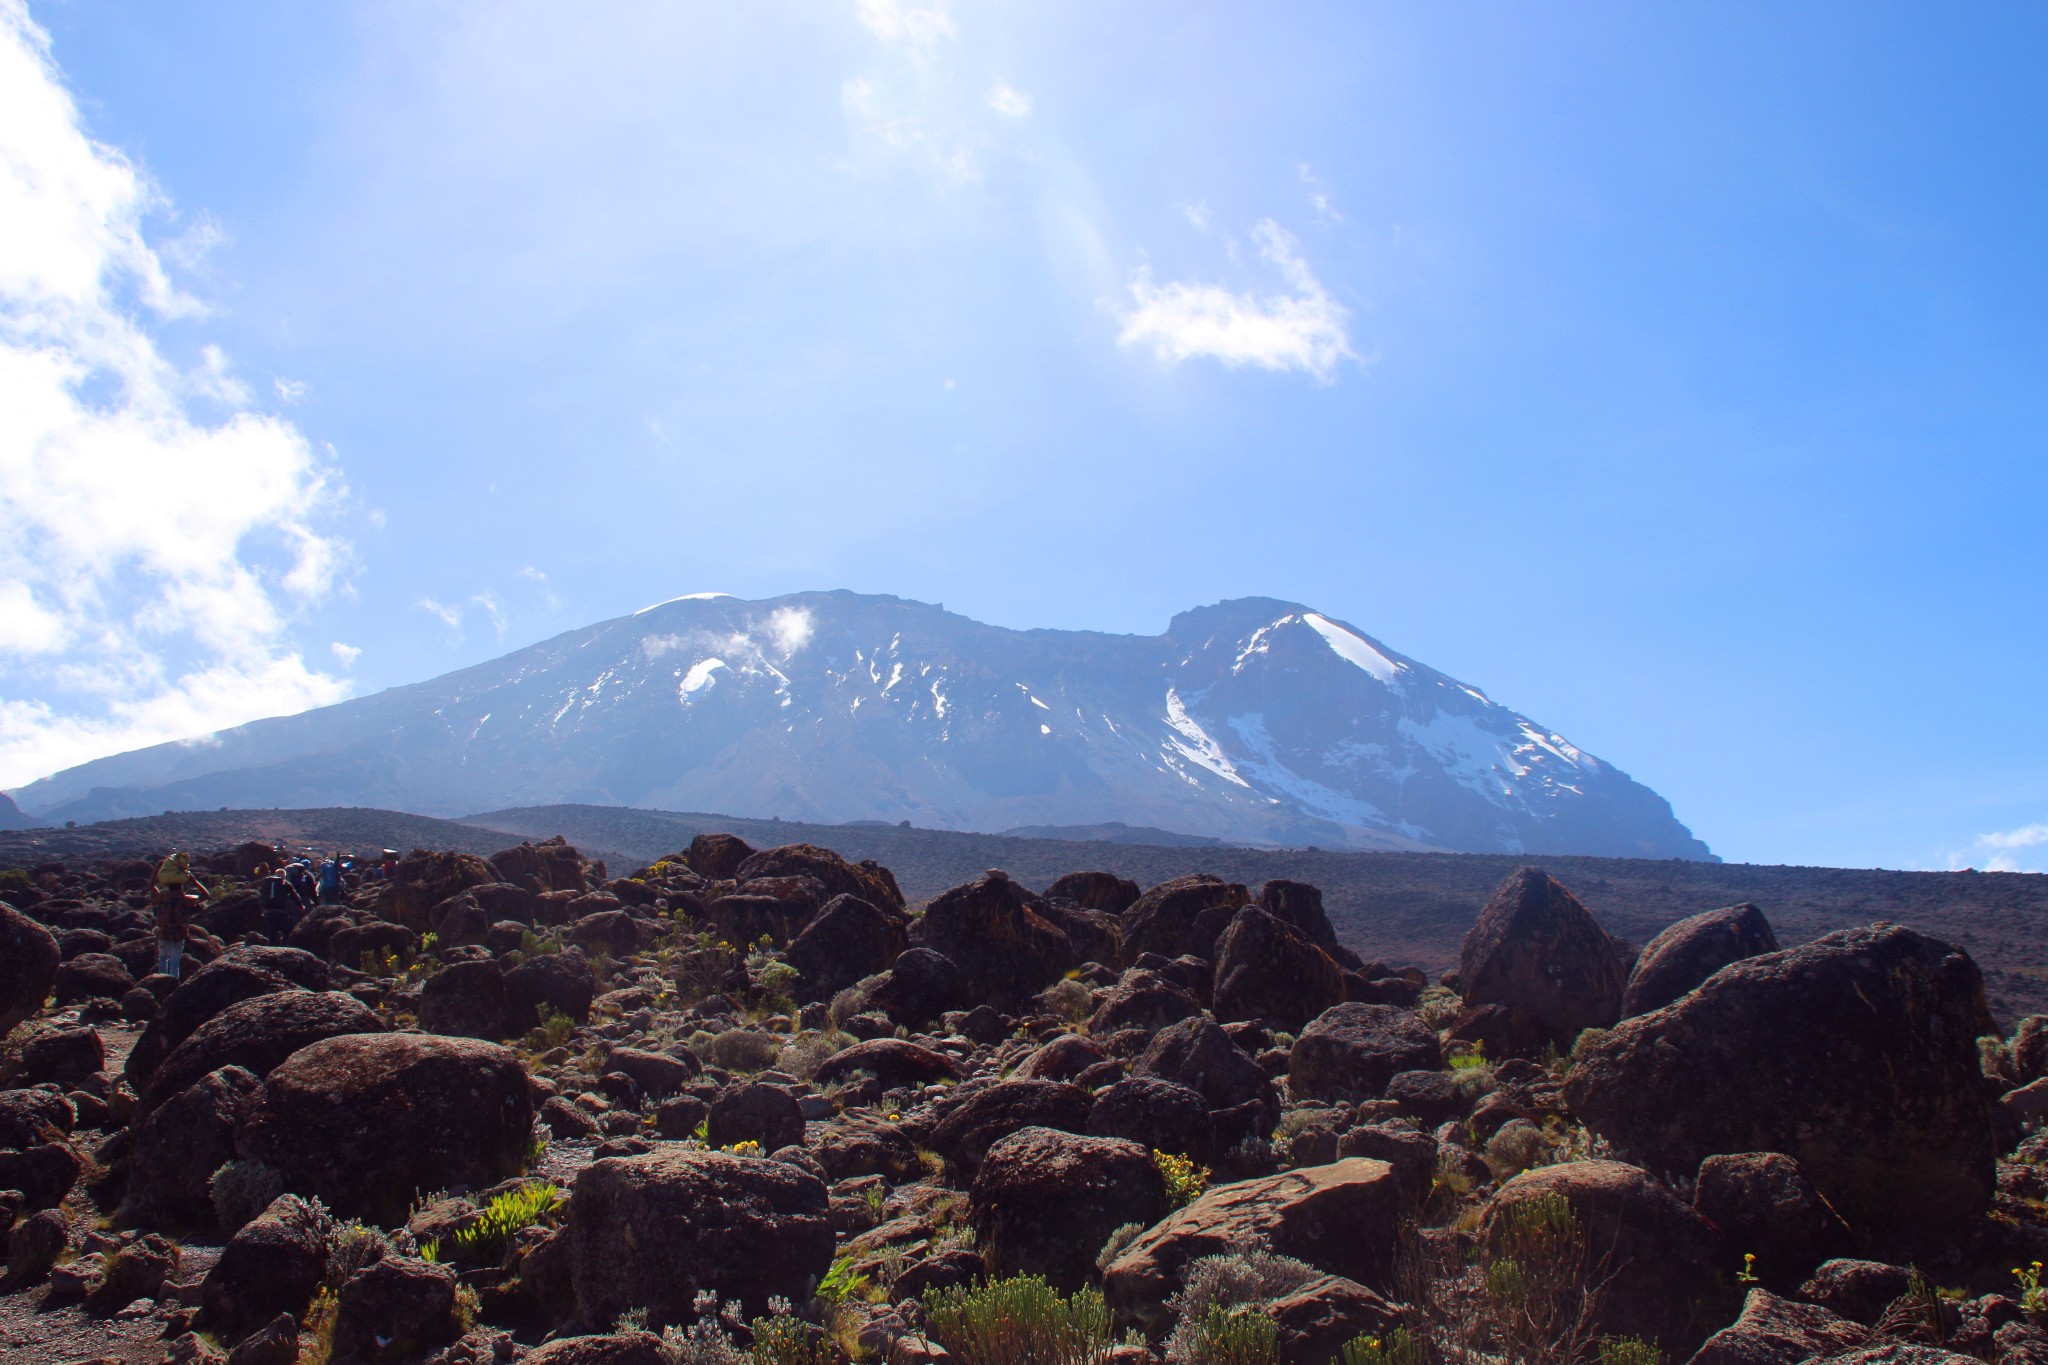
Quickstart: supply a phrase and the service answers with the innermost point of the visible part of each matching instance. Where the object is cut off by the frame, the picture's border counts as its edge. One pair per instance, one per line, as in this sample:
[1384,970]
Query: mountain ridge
[1254,720]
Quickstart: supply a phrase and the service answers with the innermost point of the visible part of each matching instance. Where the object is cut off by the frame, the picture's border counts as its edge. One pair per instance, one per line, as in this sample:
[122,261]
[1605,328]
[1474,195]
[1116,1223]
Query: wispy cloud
[154,560]
[1302,328]
[918,26]
[455,615]
[2014,850]
[346,654]
[1007,101]
[1318,194]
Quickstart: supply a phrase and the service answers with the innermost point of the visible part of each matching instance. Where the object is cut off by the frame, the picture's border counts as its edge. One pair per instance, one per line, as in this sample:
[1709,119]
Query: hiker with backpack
[299,873]
[172,893]
[330,880]
[283,906]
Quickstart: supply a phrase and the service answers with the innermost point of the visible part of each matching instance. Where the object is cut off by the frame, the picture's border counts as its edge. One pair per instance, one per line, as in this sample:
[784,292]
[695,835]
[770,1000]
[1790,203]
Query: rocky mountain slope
[749,1107]
[1253,721]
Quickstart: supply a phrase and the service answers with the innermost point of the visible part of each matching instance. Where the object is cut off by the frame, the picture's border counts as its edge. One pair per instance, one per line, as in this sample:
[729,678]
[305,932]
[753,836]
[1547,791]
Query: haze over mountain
[1254,721]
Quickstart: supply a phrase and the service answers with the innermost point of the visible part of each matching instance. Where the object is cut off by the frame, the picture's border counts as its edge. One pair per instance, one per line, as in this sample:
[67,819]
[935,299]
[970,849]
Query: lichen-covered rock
[241,973]
[424,878]
[1198,1054]
[860,1143]
[1763,1204]
[621,1348]
[1537,968]
[1351,1052]
[181,1142]
[1143,999]
[62,1056]
[1044,1201]
[551,865]
[466,1000]
[92,976]
[847,940]
[1267,970]
[1183,916]
[1095,891]
[395,1308]
[1647,1246]
[919,986]
[756,1112]
[1157,1113]
[991,930]
[28,967]
[1854,1054]
[1343,1218]
[1317,1320]
[986,1117]
[829,870]
[1775,1331]
[561,983]
[273,1264]
[367,1121]
[717,857]
[1690,951]
[893,1062]
[257,1034]
[653,1231]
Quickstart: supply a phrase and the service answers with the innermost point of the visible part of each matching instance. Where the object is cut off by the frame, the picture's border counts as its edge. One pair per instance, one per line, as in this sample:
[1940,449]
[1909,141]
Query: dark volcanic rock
[991,930]
[1315,1322]
[1267,970]
[183,1141]
[423,879]
[271,1265]
[837,876]
[236,976]
[755,1112]
[1183,916]
[1154,1112]
[920,986]
[28,967]
[1650,1247]
[717,857]
[1351,1051]
[653,1231]
[847,940]
[561,982]
[43,1174]
[1690,951]
[551,865]
[1045,1201]
[857,1143]
[368,1121]
[988,1116]
[1143,999]
[1763,1204]
[62,1056]
[394,1309]
[258,1034]
[1775,1331]
[92,976]
[1343,1218]
[1300,907]
[893,1062]
[1855,1054]
[1095,891]
[1540,956]
[466,1000]
[29,1118]
[1198,1054]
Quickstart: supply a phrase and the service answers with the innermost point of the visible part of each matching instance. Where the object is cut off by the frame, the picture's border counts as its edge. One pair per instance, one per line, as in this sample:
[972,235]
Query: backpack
[272,891]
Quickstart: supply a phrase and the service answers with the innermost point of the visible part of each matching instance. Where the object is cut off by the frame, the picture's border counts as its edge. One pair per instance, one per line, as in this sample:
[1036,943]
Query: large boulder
[986,1117]
[920,986]
[29,1118]
[1183,916]
[1651,1253]
[182,1141]
[619,1348]
[28,967]
[1157,1113]
[1854,1054]
[837,876]
[1351,1051]
[765,1115]
[368,1121]
[551,865]
[893,1062]
[1044,1201]
[241,973]
[1690,951]
[563,983]
[1267,970]
[424,878]
[1343,1218]
[62,1056]
[1198,1054]
[862,1143]
[92,976]
[1300,905]
[258,1033]
[44,1174]
[1775,1331]
[991,930]
[1095,891]
[654,1231]
[1314,1322]
[1143,999]
[395,1309]
[1762,1203]
[717,857]
[1537,967]
[273,1264]
[848,939]
[466,1000]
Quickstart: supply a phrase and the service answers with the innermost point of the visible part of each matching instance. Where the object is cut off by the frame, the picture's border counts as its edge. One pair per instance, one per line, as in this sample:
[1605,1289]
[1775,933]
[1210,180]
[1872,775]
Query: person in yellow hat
[172,893]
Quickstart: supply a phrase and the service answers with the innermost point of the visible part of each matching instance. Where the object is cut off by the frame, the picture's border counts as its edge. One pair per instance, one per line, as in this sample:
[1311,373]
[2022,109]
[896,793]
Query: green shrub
[1185,1181]
[1240,1336]
[782,1338]
[738,1049]
[242,1189]
[1216,1290]
[488,1237]
[1125,1234]
[1398,1347]
[14,879]
[1018,1321]
[1627,1351]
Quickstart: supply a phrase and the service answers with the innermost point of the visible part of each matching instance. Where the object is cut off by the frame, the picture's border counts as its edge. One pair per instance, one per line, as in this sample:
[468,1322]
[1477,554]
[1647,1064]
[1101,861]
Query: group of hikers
[287,891]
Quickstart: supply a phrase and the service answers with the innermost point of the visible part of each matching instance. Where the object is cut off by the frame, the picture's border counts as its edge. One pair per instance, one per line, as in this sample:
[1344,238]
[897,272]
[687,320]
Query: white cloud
[918,26]
[791,629]
[450,617]
[1197,215]
[153,562]
[1008,102]
[289,390]
[1302,329]
[2014,850]
[346,654]
[1318,194]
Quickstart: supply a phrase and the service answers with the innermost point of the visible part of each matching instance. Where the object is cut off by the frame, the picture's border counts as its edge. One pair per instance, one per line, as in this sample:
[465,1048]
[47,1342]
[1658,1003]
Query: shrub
[1398,1347]
[738,1049]
[1125,1234]
[1518,1145]
[1243,1336]
[848,1003]
[555,1028]
[1530,1298]
[1068,1000]
[708,1340]
[242,1189]
[1185,1181]
[1469,1057]
[782,1338]
[805,1053]
[14,879]
[1216,1290]
[1628,1351]
[488,1237]
[1439,1006]
[1018,1321]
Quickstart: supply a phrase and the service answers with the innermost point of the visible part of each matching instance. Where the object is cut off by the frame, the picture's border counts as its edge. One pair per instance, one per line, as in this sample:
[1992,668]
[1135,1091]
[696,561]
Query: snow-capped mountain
[1255,721]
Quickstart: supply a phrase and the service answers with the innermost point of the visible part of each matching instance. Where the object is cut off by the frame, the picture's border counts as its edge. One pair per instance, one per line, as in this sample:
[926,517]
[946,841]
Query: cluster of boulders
[505,1105]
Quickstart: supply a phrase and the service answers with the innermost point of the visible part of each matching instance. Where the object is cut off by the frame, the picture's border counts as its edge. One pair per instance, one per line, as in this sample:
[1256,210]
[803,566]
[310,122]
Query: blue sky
[1674,373]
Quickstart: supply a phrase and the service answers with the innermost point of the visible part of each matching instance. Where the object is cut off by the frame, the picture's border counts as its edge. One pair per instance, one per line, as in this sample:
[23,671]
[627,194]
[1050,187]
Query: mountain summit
[1253,721]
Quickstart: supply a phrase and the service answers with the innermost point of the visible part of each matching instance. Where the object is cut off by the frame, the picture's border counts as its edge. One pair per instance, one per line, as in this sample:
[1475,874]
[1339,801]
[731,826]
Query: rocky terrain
[1401,907]
[1252,721]
[757,1106]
